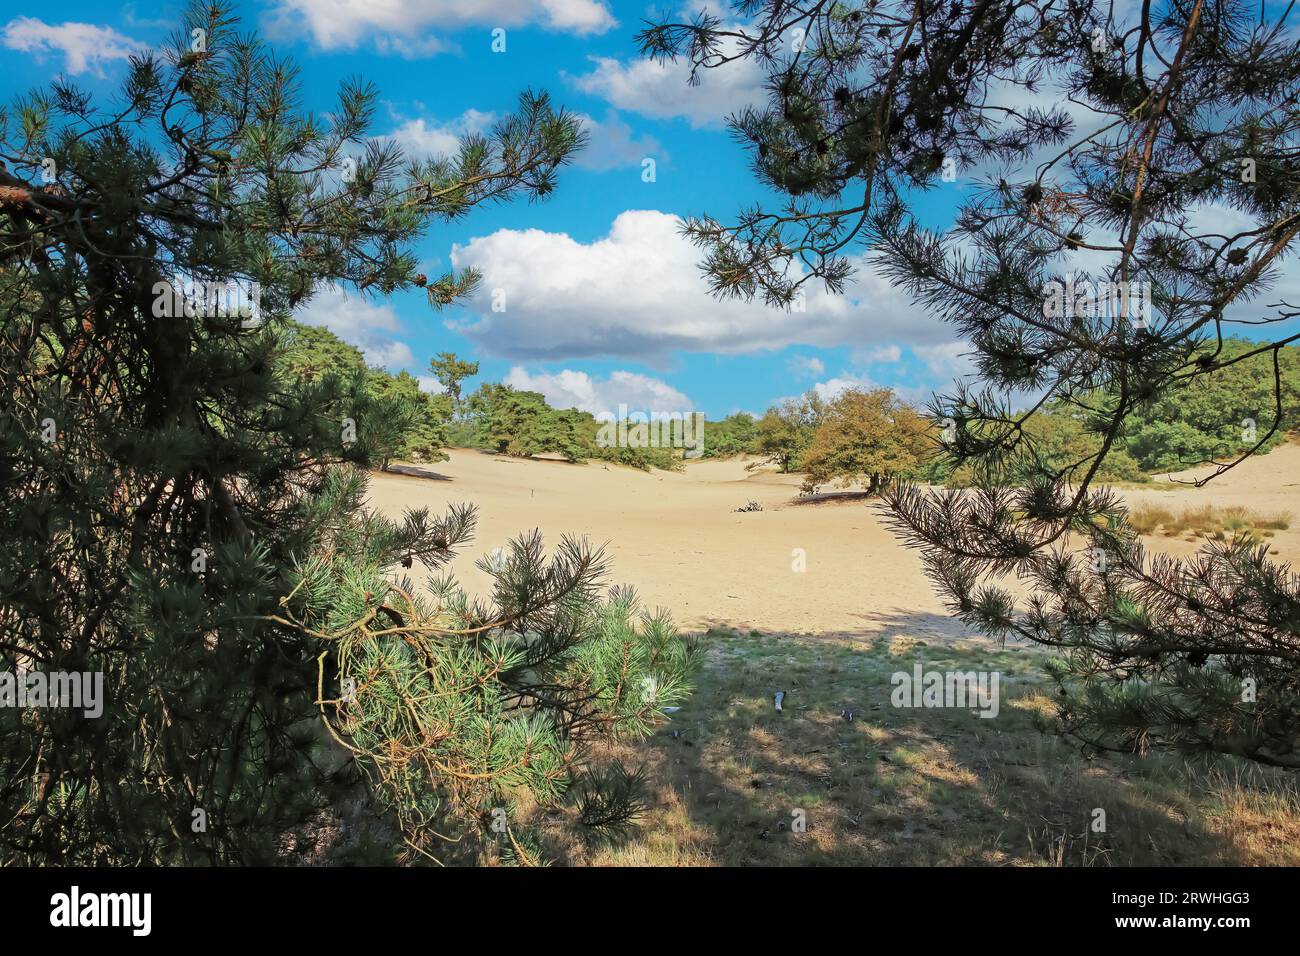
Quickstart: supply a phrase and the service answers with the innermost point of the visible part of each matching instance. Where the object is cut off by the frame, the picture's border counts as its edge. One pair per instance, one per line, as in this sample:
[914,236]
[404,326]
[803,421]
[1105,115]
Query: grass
[1206,521]
[918,786]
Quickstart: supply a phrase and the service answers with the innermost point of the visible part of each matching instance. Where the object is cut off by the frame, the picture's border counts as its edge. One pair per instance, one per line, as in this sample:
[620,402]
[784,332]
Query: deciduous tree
[867,438]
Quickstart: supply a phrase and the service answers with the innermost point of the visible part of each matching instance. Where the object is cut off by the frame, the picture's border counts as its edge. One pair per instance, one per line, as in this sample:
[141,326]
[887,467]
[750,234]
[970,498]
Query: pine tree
[451,371]
[737,434]
[520,423]
[1101,259]
[186,518]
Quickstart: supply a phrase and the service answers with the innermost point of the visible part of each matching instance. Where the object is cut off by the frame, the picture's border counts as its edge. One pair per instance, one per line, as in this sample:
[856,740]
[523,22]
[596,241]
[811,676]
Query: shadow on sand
[416,471]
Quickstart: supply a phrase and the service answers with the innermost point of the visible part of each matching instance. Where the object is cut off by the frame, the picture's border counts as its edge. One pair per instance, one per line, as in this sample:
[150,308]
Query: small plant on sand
[750,505]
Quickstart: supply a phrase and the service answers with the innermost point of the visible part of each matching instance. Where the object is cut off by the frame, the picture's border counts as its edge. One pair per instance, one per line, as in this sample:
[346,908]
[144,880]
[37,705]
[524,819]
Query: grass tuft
[1206,521]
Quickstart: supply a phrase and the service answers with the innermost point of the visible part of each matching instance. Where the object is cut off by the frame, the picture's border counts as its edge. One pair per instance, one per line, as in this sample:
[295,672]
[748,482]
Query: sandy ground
[677,537]
[1267,484]
[679,540]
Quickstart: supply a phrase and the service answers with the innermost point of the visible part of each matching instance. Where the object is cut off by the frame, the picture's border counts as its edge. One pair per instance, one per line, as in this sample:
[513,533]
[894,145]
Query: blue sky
[603,300]
[632,322]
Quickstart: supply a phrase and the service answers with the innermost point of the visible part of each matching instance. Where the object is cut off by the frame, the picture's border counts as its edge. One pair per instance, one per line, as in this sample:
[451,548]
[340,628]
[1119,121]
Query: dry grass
[1207,521]
[919,786]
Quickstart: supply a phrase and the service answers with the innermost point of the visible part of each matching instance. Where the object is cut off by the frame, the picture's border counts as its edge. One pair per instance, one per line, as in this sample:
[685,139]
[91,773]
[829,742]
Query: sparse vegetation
[736,434]
[1206,521]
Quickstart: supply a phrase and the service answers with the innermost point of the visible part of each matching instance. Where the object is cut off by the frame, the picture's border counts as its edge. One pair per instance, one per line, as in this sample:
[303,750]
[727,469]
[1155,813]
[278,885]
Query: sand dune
[1266,484]
[679,540]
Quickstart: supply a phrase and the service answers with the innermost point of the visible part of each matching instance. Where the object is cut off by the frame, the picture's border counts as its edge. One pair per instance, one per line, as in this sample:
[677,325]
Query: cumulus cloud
[85,46]
[638,293]
[408,48]
[612,144]
[390,355]
[918,394]
[948,360]
[833,388]
[805,366]
[879,355]
[342,24]
[1214,223]
[422,139]
[661,90]
[367,325]
[573,389]
[828,390]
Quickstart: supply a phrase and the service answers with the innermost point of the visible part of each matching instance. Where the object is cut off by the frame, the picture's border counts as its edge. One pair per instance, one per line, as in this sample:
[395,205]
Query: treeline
[1226,414]
[404,422]
[511,421]
[867,437]
[400,420]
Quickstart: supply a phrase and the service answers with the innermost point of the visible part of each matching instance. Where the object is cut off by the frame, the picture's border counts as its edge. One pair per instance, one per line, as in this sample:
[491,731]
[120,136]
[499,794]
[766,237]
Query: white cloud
[828,390]
[879,355]
[918,395]
[84,46]
[948,360]
[430,384]
[661,90]
[365,324]
[638,293]
[336,24]
[805,366]
[832,389]
[393,356]
[573,389]
[411,49]
[421,139]
[612,144]
[1213,223]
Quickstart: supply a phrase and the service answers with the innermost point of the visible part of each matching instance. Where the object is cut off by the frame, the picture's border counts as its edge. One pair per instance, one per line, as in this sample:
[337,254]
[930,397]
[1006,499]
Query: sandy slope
[678,539]
[1267,484]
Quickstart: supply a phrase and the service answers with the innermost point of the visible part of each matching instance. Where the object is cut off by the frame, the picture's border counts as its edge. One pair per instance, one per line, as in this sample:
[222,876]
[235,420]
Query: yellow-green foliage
[868,438]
